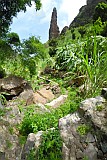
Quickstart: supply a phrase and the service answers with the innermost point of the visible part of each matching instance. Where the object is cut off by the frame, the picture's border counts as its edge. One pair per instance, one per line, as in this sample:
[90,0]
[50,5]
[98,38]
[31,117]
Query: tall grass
[94,62]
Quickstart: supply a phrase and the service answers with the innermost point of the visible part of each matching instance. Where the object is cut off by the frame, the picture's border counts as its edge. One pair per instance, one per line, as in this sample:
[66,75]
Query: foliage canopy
[10,8]
[100,11]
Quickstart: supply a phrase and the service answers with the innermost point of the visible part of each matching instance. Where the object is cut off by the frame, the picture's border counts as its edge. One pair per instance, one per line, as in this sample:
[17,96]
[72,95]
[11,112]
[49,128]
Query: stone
[79,154]
[46,93]
[43,96]
[85,14]
[104,147]
[54,29]
[9,143]
[65,152]
[100,154]
[57,102]
[27,96]
[2,156]
[90,152]
[64,30]
[93,144]
[90,138]
[37,98]
[33,142]
[13,85]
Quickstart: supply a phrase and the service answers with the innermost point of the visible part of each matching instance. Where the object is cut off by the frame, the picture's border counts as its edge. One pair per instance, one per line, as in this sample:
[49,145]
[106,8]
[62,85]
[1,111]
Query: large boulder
[13,85]
[84,133]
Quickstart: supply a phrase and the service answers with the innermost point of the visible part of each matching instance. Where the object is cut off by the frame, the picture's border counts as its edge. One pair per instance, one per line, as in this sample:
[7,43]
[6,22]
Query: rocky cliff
[54,29]
[85,13]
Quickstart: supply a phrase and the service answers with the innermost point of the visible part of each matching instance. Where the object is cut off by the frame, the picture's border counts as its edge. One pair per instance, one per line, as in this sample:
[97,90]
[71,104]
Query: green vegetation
[99,108]
[83,129]
[80,53]
[85,158]
[51,146]
[9,144]
[10,9]
[33,122]
[100,11]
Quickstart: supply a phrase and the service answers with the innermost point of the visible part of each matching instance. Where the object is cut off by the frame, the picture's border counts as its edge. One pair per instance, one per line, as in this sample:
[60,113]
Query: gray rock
[33,142]
[2,156]
[90,138]
[104,147]
[57,102]
[79,154]
[90,152]
[54,29]
[100,154]
[13,85]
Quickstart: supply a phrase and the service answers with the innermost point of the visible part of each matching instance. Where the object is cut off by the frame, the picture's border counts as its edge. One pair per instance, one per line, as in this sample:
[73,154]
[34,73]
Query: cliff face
[85,13]
[54,29]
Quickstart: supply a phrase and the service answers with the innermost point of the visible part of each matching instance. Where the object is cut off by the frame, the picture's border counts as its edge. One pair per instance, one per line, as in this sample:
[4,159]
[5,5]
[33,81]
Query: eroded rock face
[91,117]
[33,141]
[54,29]
[13,85]
[85,13]
[64,30]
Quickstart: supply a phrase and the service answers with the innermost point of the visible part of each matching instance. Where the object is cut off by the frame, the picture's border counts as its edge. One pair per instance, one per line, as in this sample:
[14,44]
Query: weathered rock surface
[10,147]
[13,85]
[57,102]
[93,143]
[64,30]
[54,29]
[43,96]
[85,13]
[33,142]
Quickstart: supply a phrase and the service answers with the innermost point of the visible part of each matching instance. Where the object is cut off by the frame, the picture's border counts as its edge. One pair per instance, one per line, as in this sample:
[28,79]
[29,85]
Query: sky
[37,23]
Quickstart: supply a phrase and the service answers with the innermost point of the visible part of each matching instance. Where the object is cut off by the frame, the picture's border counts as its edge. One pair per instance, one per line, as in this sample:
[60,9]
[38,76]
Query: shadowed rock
[54,29]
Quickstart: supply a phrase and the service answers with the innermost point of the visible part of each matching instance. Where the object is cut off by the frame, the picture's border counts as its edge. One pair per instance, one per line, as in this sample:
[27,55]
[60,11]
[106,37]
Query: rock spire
[54,29]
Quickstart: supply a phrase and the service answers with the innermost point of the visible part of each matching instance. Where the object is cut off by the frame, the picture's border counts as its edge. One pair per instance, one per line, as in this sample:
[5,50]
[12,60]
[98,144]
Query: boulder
[13,85]
[43,96]
[33,142]
[57,102]
[84,133]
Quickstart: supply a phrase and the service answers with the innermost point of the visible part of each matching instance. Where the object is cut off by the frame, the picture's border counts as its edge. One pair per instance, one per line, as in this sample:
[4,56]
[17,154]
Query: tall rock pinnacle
[54,29]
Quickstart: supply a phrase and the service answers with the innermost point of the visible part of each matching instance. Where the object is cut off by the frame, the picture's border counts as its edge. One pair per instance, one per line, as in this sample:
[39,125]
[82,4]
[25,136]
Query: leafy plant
[51,146]
[83,129]
[100,11]
[2,112]
[99,108]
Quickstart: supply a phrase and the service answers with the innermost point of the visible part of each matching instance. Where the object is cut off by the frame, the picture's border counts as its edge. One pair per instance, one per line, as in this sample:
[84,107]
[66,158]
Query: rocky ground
[84,133]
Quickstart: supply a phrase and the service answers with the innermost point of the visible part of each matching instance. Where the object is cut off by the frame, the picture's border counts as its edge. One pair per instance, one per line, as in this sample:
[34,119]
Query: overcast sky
[37,23]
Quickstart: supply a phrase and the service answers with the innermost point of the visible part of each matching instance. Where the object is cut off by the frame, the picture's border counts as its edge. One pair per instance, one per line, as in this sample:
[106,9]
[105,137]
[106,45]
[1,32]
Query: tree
[100,11]
[32,47]
[10,8]
[13,38]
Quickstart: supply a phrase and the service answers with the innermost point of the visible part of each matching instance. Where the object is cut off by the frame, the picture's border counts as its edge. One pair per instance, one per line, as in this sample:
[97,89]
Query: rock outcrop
[84,133]
[64,30]
[54,29]
[85,13]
